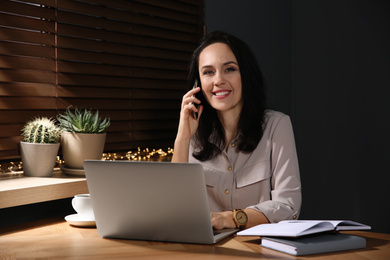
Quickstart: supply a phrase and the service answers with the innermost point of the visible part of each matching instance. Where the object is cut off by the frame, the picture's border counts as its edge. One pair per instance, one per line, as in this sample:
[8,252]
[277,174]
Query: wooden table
[56,239]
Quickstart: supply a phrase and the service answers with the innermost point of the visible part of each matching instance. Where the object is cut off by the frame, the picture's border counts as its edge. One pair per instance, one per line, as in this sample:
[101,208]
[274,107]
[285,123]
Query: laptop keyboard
[216,232]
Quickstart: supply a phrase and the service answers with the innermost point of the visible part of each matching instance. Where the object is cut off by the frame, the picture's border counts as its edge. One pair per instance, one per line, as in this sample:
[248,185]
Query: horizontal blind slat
[32,76]
[157,83]
[10,130]
[146,40]
[115,4]
[23,36]
[27,89]
[139,136]
[107,81]
[26,23]
[164,13]
[119,126]
[10,48]
[13,103]
[30,63]
[20,116]
[120,60]
[47,3]
[94,10]
[119,93]
[126,104]
[65,17]
[172,5]
[120,49]
[26,9]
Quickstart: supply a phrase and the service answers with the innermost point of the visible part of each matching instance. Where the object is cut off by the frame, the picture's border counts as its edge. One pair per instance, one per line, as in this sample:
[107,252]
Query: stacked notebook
[305,237]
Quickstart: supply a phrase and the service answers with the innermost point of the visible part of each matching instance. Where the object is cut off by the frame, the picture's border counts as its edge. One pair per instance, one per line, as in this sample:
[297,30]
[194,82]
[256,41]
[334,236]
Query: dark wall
[266,27]
[341,68]
[327,64]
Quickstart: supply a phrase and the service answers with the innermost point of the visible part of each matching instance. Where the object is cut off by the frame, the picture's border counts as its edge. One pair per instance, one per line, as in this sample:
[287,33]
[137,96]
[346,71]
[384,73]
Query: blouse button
[294,217]
[226,191]
[233,145]
[229,168]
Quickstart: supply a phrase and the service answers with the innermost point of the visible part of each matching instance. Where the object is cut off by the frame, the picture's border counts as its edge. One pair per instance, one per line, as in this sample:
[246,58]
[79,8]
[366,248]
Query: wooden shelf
[22,190]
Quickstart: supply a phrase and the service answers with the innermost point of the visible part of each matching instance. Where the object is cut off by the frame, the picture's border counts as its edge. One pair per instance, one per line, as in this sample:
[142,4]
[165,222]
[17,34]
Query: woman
[247,152]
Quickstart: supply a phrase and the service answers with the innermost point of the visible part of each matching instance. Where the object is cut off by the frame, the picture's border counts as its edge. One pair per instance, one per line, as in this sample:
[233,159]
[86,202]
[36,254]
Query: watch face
[241,217]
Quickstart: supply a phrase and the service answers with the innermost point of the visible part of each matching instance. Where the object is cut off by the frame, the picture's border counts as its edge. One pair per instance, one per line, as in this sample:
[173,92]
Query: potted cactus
[82,138]
[39,148]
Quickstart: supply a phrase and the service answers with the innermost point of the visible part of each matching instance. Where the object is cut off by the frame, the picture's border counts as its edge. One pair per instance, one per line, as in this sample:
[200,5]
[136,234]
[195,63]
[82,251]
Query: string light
[16,168]
[140,155]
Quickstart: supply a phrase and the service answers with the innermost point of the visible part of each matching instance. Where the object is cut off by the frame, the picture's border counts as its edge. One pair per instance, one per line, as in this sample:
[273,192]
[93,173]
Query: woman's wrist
[182,141]
[181,150]
[229,219]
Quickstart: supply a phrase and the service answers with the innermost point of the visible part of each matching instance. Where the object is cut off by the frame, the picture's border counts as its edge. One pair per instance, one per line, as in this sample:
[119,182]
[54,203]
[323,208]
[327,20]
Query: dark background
[327,65]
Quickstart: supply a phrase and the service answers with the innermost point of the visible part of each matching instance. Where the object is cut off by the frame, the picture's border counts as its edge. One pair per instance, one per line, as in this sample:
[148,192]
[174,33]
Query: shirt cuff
[276,211]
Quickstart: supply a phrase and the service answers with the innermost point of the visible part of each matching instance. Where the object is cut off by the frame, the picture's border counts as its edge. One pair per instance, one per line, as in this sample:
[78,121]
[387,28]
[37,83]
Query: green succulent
[83,121]
[41,130]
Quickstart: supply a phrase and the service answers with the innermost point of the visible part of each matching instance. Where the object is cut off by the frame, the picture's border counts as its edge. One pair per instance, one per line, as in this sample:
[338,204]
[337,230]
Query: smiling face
[221,78]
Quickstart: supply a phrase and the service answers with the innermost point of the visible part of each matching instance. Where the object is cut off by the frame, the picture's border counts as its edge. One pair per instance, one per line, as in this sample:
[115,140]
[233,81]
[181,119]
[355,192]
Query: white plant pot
[77,147]
[38,159]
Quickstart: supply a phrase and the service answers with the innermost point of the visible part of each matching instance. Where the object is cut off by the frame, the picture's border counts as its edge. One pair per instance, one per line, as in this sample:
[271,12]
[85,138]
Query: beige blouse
[266,180]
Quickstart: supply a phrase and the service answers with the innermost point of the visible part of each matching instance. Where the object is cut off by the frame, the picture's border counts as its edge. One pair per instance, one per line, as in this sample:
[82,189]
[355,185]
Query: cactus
[82,121]
[41,130]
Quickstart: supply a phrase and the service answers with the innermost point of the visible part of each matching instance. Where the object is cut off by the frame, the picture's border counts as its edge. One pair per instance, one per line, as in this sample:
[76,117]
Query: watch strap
[239,224]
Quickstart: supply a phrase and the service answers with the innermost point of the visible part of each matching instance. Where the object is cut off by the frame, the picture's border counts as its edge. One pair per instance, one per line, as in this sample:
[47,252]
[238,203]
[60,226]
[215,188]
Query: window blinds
[129,59]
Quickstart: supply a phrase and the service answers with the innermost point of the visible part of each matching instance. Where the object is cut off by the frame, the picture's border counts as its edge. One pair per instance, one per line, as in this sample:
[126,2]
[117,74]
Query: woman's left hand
[221,220]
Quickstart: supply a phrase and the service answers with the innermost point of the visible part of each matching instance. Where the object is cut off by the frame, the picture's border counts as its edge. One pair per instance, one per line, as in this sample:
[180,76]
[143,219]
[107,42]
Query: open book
[297,228]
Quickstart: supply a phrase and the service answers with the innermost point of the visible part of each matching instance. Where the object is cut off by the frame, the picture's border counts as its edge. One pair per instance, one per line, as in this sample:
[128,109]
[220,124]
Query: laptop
[157,201]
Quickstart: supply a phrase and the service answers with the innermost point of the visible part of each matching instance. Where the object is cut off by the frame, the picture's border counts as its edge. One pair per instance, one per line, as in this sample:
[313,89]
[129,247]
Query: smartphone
[195,114]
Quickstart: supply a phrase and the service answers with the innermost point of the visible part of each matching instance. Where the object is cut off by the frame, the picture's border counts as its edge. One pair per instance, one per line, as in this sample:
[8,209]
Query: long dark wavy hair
[210,135]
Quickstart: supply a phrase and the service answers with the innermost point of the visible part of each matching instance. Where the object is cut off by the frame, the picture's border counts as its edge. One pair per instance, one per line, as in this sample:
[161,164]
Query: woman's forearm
[181,151]
[255,218]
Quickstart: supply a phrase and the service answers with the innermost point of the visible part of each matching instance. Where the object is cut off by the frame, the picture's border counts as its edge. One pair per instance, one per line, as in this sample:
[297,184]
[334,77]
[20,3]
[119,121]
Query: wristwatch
[240,218]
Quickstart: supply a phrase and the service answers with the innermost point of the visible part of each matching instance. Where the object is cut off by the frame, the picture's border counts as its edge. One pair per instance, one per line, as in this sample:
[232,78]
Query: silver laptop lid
[157,201]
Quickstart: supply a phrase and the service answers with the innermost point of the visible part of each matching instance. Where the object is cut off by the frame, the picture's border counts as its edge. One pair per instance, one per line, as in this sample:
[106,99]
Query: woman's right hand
[187,126]
[188,123]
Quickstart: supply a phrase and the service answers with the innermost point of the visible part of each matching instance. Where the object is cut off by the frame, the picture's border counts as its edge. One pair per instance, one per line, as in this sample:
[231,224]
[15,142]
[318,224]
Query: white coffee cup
[82,204]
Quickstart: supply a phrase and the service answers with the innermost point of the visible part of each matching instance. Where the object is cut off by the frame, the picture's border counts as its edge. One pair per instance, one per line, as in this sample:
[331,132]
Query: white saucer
[76,220]
[70,171]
